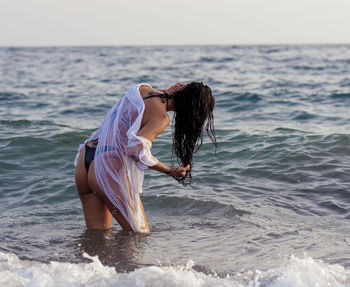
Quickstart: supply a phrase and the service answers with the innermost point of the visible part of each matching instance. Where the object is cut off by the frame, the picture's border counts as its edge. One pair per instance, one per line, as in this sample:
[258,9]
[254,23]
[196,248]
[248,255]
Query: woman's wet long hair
[194,107]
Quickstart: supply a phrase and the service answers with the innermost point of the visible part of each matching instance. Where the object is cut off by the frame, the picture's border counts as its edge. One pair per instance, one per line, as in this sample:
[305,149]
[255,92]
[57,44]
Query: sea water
[270,208]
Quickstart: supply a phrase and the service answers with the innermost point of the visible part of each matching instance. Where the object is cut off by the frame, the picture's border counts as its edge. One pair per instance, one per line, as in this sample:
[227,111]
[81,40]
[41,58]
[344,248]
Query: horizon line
[174,45]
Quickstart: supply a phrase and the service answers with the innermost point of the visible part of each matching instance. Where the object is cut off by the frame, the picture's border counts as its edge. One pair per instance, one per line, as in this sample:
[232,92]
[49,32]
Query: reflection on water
[122,249]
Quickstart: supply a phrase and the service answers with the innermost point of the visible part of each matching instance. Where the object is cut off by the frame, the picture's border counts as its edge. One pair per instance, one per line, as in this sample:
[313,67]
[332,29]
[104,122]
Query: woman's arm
[155,120]
[154,126]
[175,172]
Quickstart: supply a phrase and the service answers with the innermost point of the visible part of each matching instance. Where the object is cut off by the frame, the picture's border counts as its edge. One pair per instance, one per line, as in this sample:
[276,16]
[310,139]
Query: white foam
[305,272]
[296,272]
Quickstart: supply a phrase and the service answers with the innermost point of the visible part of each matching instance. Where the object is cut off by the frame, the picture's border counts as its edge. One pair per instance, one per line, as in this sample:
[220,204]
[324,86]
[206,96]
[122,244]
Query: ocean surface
[271,208]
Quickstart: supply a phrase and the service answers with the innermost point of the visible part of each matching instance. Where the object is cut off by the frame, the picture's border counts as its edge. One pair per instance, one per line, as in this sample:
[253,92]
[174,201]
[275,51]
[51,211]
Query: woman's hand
[175,88]
[179,172]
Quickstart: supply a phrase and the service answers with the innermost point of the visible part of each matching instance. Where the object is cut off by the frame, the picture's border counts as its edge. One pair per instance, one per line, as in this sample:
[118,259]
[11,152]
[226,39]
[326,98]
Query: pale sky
[165,22]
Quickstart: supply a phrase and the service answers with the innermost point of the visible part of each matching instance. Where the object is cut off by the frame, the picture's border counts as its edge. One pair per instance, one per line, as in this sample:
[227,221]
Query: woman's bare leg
[109,205]
[96,213]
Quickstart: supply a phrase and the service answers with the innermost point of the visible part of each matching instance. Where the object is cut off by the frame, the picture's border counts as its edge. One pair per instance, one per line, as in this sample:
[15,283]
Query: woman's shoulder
[145,90]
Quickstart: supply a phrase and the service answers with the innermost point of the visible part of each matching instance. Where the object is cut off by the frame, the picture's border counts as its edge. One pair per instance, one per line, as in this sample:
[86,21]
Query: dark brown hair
[194,105]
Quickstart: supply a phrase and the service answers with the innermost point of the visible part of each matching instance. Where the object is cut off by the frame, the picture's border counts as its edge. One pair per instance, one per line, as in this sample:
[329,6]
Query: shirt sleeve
[139,150]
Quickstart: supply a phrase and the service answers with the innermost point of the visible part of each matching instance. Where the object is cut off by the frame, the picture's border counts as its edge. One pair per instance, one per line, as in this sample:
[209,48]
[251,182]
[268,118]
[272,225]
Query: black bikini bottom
[89,156]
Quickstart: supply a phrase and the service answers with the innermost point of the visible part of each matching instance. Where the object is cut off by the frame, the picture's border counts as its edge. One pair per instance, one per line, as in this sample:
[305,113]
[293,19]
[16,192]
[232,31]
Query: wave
[303,116]
[189,206]
[12,96]
[217,59]
[300,272]
[309,68]
[340,96]
[26,123]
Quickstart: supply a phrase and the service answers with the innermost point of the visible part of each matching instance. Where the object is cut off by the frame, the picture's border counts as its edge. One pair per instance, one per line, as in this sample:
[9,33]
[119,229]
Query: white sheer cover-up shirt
[122,156]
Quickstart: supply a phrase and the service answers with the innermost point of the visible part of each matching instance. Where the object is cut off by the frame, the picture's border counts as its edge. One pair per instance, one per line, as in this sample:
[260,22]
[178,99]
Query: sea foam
[298,272]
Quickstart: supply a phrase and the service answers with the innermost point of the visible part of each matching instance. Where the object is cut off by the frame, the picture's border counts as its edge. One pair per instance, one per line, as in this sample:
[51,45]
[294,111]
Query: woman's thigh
[96,213]
[112,209]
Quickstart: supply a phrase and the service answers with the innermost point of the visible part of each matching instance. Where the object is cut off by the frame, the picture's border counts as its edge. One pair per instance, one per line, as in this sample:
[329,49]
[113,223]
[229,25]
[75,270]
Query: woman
[110,164]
